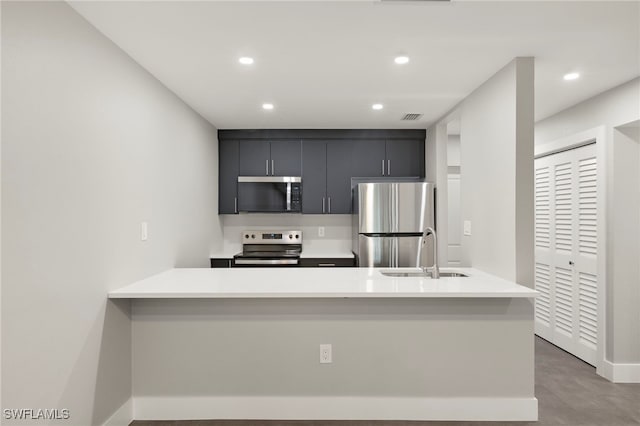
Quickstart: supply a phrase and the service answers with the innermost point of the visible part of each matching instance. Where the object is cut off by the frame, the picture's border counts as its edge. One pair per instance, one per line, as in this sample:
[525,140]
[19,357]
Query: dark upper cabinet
[314,176]
[228,156]
[404,157]
[368,158]
[255,158]
[270,158]
[326,176]
[326,160]
[339,165]
[286,158]
[388,158]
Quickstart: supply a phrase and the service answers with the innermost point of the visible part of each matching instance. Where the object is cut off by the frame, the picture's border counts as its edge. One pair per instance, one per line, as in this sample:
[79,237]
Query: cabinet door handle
[322,205]
[235,200]
[382,167]
[329,198]
[273,168]
[388,167]
[266,167]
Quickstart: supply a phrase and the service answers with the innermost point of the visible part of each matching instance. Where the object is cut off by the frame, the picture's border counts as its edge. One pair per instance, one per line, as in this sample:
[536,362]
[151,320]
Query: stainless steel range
[269,248]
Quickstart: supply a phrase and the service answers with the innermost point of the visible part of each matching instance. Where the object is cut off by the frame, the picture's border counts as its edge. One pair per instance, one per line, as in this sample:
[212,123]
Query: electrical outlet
[325,354]
[144,232]
[320,231]
[467,227]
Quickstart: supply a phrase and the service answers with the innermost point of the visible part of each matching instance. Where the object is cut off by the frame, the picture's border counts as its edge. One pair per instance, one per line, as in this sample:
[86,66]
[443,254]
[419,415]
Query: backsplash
[337,230]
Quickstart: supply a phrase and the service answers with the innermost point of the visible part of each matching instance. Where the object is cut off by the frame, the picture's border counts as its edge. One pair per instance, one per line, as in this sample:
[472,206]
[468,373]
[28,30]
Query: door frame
[596,135]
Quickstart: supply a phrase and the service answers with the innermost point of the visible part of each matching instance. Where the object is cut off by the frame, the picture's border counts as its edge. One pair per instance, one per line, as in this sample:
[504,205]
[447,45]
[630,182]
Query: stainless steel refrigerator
[388,220]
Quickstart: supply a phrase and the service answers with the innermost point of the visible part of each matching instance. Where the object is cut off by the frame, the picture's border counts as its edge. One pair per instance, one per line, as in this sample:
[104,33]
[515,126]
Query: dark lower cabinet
[304,262]
[221,263]
[345,262]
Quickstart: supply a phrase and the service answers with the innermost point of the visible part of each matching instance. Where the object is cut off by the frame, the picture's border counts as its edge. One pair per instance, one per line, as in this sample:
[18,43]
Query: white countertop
[316,283]
[307,254]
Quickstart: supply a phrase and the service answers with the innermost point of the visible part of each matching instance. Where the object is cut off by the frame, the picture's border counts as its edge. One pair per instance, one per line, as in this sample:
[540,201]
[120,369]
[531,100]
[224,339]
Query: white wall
[614,108]
[91,146]
[337,230]
[253,359]
[436,171]
[496,156]
[454,232]
[453,150]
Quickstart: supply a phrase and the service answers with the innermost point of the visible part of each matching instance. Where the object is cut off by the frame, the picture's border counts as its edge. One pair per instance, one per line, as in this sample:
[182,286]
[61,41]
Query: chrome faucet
[435,271]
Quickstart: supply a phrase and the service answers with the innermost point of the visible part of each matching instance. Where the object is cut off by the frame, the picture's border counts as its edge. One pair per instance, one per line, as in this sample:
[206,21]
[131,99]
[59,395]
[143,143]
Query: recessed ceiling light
[571,76]
[377,106]
[267,106]
[245,60]
[401,60]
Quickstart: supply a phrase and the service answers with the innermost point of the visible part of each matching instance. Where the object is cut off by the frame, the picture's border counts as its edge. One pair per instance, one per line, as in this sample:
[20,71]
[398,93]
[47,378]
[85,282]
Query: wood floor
[569,393]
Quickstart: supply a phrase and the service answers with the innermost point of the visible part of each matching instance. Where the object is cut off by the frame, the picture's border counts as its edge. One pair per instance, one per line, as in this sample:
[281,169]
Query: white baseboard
[122,416]
[620,373]
[335,408]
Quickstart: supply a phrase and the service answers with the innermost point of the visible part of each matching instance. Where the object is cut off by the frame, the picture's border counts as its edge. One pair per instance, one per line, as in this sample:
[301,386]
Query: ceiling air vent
[411,117]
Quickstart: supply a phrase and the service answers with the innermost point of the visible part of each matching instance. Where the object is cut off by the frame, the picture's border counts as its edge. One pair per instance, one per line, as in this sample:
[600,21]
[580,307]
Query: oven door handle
[266,261]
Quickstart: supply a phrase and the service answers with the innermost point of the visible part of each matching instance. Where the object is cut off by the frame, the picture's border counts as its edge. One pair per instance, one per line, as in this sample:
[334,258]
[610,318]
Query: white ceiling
[322,64]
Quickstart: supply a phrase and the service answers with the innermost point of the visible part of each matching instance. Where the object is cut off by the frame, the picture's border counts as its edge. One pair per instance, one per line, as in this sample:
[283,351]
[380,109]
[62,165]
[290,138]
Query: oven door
[269,194]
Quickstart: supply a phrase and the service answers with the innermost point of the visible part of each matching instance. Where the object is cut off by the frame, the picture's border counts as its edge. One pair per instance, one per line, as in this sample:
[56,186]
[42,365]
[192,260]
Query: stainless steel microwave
[270,194]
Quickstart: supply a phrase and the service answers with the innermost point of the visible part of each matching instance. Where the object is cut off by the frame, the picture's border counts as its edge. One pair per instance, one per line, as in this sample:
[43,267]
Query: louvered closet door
[565,255]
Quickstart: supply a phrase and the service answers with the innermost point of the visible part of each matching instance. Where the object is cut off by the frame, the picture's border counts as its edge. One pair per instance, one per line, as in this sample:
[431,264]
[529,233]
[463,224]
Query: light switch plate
[467,227]
[144,233]
[320,231]
[325,354]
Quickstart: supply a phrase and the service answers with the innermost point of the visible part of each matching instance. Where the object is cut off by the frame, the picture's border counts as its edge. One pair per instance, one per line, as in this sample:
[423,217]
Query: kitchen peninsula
[244,344]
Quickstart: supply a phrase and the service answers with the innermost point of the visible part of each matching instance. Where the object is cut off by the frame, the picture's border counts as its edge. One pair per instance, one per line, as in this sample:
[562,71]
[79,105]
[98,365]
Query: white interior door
[566,247]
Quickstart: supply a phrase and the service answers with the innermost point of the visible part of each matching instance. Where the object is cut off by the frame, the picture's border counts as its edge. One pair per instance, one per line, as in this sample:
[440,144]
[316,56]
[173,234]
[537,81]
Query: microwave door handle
[288,196]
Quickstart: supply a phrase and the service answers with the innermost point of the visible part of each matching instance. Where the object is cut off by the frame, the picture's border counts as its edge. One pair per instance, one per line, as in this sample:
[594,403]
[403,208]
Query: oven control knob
[253,236]
[297,236]
[290,236]
[246,235]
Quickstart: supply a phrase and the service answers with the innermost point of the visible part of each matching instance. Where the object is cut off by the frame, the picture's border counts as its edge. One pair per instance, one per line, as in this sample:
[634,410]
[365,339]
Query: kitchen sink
[453,275]
[418,274]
